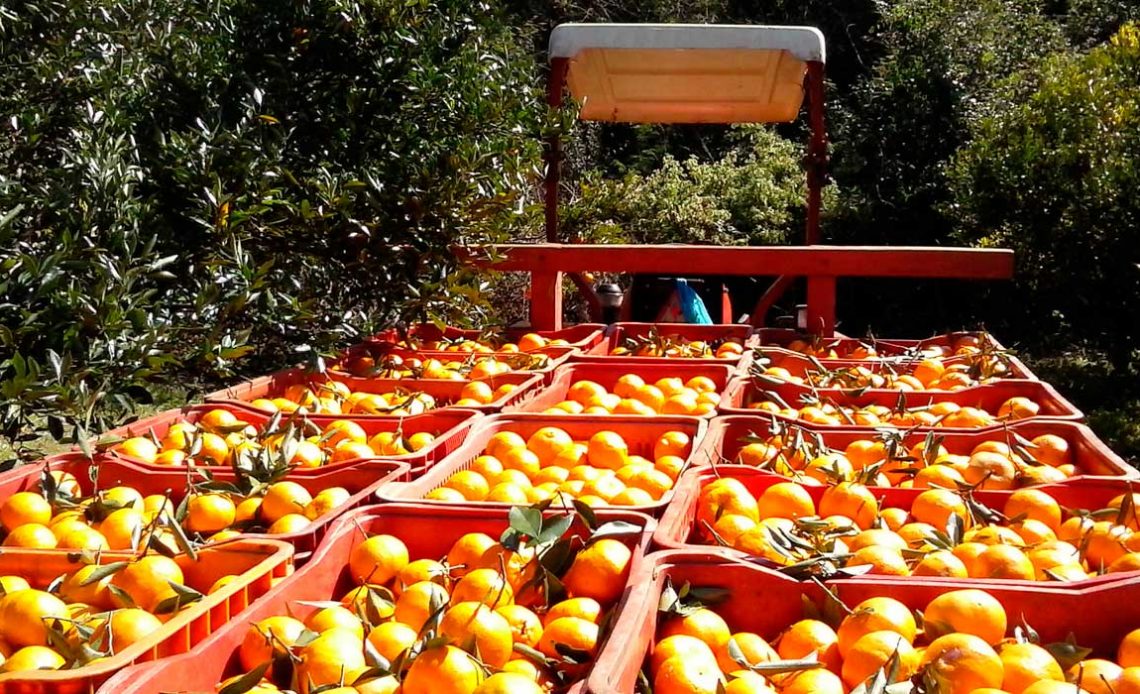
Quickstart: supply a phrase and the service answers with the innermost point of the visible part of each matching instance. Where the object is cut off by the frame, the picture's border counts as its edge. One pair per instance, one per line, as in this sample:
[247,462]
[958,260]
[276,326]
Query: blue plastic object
[692,307]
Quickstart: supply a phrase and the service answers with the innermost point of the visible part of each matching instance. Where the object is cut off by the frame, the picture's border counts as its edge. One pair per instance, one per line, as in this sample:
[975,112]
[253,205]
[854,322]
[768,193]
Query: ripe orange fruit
[883,560]
[27,614]
[390,639]
[962,663]
[23,508]
[875,614]
[33,658]
[1096,675]
[419,602]
[872,652]
[703,624]
[941,563]
[785,500]
[852,501]
[608,450]
[572,632]
[1003,561]
[684,645]
[147,580]
[676,443]
[547,443]
[123,628]
[968,611]
[209,513]
[678,675]
[483,585]
[599,571]
[818,681]
[1026,663]
[336,616]
[31,536]
[326,659]
[810,636]
[509,683]
[283,498]
[467,622]
[752,646]
[377,559]
[526,627]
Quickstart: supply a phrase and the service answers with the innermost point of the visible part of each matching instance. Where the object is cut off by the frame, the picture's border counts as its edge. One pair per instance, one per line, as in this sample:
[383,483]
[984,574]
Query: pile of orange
[888,462]
[943,533]
[677,347]
[958,647]
[334,397]
[121,518]
[448,369]
[926,374]
[959,346]
[478,620]
[90,613]
[940,414]
[633,395]
[550,464]
[221,438]
[529,342]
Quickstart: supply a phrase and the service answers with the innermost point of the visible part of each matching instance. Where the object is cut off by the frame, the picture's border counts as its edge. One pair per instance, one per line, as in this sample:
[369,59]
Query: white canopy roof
[687,73]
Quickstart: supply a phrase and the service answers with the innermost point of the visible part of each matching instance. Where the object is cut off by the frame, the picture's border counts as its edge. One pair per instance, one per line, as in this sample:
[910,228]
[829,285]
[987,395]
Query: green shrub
[190,190]
[1054,174]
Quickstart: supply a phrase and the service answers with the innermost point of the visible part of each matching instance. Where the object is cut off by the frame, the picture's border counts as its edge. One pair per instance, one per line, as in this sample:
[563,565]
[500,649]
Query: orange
[608,450]
[336,616]
[33,658]
[1052,687]
[599,571]
[378,559]
[326,501]
[754,649]
[938,476]
[583,608]
[328,658]
[818,681]
[474,622]
[472,485]
[585,391]
[684,645]
[703,624]
[139,447]
[809,636]
[651,396]
[941,563]
[467,552]
[209,513]
[123,628]
[526,628]
[1002,561]
[1104,543]
[1051,450]
[1026,663]
[968,611]
[509,683]
[1129,681]
[1128,652]
[25,507]
[785,500]
[94,593]
[27,614]
[572,632]
[1096,675]
[872,652]
[1034,504]
[851,500]
[676,443]
[875,614]
[31,536]
[547,443]
[419,602]
[883,560]
[678,675]
[291,523]
[748,682]
[283,498]
[147,580]
[961,663]
[483,585]
[935,506]
[879,537]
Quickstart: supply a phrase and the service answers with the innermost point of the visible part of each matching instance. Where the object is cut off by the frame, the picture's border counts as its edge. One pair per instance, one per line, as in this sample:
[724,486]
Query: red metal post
[765,303]
[817,149]
[558,69]
[821,305]
[546,300]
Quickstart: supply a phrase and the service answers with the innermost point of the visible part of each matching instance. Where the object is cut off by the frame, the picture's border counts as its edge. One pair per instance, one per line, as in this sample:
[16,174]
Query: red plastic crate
[555,356]
[260,564]
[640,433]
[584,336]
[766,603]
[363,481]
[798,364]
[449,425]
[428,533]
[723,442]
[988,397]
[844,345]
[677,529]
[607,374]
[444,392]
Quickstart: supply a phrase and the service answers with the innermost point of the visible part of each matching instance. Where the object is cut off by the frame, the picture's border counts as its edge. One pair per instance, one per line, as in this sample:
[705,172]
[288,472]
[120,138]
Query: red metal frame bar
[558,69]
[821,265]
